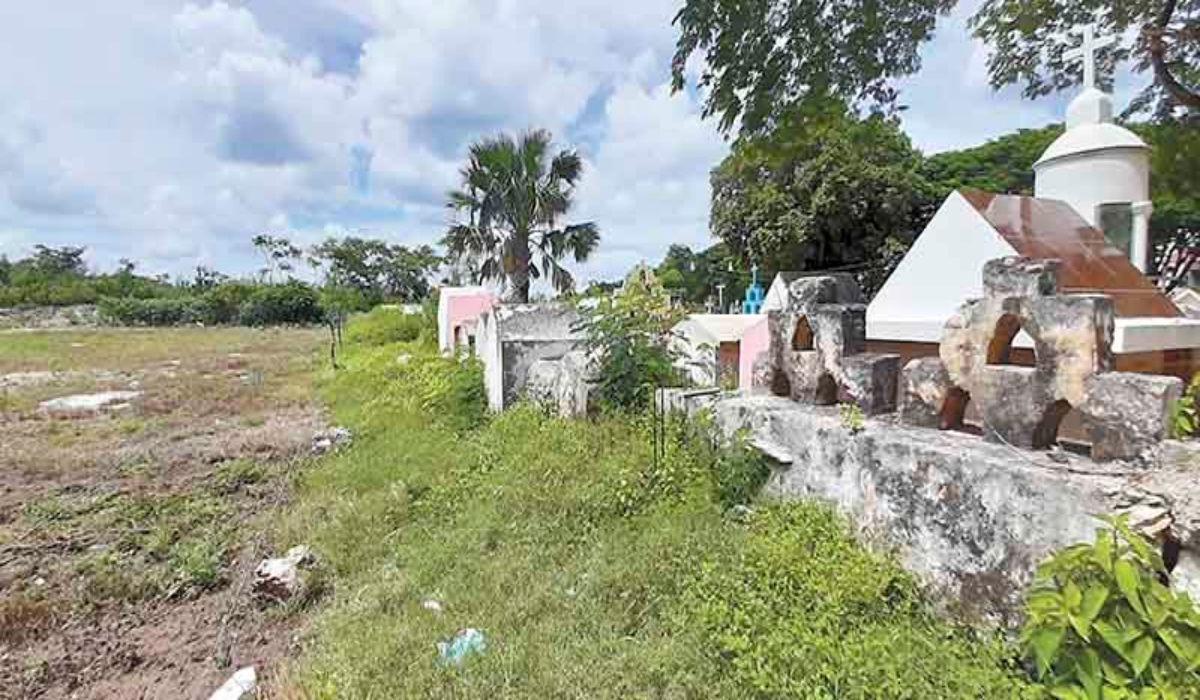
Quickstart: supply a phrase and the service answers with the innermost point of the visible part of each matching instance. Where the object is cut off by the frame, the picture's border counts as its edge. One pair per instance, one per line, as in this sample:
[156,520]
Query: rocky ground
[138,474]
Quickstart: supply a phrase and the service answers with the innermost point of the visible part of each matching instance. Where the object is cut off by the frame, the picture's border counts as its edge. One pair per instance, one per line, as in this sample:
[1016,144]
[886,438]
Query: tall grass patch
[595,564]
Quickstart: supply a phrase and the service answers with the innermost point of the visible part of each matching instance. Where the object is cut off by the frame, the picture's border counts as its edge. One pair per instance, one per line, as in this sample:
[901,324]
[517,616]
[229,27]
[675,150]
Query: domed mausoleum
[1100,168]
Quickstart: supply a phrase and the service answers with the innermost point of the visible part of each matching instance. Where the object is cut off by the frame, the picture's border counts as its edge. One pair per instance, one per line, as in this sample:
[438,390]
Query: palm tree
[513,196]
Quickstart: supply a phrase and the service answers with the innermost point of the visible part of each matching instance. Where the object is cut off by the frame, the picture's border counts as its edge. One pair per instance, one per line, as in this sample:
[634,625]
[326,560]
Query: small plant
[1184,419]
[1101,625]
[384,325]
[852,417]
[631,333]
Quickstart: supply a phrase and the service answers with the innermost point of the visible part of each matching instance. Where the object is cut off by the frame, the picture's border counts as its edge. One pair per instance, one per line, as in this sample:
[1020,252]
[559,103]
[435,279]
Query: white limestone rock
[279,579]
[240,685]
[87,403]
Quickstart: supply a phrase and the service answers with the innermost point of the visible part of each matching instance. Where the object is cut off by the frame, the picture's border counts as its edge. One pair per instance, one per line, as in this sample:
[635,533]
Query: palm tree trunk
[520,276]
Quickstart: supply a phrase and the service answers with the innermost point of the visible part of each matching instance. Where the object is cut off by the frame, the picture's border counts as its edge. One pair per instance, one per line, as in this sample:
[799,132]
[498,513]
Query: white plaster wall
[941,271]
[487,347]
[1087,180]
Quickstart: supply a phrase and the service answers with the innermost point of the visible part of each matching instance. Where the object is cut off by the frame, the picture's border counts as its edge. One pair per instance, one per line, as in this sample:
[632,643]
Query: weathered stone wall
[564,385]
[49,317]
[972,518]
[512,338]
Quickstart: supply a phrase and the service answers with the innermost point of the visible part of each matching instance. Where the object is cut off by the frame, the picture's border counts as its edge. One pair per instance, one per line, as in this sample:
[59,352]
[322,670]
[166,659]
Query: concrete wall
[512,337]
[459,308]
[755,343]
[973,519]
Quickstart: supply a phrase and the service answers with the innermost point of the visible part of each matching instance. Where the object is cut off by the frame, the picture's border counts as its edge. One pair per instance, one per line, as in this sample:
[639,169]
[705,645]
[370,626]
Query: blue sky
[171,132]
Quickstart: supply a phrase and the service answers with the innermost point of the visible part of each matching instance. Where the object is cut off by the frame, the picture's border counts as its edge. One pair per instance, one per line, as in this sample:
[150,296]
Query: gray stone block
[927,397]
[1020,277]
[869,380]
[1017,407]
[1126,414]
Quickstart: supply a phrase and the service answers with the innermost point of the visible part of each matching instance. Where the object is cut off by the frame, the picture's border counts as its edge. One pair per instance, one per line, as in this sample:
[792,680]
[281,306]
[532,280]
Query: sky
[171,132]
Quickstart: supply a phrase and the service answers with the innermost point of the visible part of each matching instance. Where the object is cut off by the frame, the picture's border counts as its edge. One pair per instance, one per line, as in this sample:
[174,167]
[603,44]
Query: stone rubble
[331,440]
[278,580]
[77,404]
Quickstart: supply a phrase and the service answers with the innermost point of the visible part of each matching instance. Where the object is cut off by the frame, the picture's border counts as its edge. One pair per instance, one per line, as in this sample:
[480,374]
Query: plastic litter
[463,644]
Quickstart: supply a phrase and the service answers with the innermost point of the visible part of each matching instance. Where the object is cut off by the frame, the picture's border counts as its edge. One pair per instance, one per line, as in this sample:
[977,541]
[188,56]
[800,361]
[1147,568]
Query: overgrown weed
[594,568]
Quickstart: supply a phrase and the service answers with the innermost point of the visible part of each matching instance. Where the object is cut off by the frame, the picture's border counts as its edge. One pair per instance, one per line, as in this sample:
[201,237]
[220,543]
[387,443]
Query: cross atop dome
[1087,53]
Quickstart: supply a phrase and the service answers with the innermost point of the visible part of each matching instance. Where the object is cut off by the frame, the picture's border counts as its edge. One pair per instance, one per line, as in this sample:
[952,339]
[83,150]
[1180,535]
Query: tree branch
[1157,48]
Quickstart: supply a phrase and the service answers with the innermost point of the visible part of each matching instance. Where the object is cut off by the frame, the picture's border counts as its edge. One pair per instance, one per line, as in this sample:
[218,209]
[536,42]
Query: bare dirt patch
[129,535]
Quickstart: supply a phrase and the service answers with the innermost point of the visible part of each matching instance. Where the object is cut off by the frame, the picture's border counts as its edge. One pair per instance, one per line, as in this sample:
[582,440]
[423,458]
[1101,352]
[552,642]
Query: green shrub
[803,611]
[1101,625]
[384,325]
[292,302]
[630,331]
[222,304]
[1185,421]
[170,311]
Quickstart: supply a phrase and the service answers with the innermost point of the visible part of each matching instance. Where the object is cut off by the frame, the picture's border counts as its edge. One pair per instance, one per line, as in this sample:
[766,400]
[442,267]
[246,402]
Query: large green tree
[1003,165]
[376,270]
[824,190]
[764,58]
[761,58]
[514,194]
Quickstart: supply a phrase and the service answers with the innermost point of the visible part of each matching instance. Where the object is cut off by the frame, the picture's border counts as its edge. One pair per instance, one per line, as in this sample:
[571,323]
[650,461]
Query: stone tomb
[514,339]
[1124,415]
[817,353]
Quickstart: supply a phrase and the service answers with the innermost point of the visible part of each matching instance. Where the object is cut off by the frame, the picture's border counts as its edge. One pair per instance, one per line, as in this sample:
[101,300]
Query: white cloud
[172,131]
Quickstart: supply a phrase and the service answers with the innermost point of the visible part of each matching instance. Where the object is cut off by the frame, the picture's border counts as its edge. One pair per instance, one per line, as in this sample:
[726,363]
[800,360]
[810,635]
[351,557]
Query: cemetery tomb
[459,310]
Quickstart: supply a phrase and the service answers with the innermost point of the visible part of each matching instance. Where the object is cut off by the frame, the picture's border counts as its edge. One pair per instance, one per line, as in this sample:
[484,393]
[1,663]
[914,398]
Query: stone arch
[954,410]
[780,385]
[827,390]
[1045,435]
[802,336]
[999,351]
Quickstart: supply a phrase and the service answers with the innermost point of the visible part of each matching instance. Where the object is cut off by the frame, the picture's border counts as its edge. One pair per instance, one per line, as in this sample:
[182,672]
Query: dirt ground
[128,536]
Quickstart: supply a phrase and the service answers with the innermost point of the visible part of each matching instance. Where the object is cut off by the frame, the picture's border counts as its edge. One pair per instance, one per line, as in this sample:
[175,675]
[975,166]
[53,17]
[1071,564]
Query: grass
[125,349]
[150,545]
[593,569]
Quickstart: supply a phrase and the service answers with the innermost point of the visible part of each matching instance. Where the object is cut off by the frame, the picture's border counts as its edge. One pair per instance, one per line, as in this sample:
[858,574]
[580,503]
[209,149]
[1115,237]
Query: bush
[222,304]
[171,311]
[384,325]
[292,302]
[804,611]
[631,333]
[1101,624]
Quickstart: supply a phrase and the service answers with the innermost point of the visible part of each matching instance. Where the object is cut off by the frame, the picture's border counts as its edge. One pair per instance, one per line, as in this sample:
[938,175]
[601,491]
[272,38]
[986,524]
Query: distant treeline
[355,274]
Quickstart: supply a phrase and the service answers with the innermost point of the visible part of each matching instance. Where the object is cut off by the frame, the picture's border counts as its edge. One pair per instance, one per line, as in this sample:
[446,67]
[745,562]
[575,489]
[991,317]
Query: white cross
[1087,53]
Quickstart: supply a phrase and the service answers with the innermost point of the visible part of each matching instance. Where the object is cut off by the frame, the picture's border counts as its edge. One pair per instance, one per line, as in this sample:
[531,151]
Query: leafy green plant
[1102,626]
[630,331]
[1185,420]
[386,324]
[851,416]
[293,302]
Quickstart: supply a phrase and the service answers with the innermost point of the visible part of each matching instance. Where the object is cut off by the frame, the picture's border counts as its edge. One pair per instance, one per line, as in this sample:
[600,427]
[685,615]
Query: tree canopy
[510,205]
[1159,36]
[823,190]
[763,59]
[377,270]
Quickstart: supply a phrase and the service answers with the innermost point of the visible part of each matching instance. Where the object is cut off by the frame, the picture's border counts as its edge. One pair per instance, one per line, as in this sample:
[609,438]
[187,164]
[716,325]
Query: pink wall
[755,341]
[463,307]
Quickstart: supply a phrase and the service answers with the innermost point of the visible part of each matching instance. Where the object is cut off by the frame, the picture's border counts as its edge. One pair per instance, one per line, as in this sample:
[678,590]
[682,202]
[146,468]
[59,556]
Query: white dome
[1087,138]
